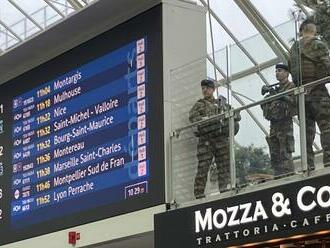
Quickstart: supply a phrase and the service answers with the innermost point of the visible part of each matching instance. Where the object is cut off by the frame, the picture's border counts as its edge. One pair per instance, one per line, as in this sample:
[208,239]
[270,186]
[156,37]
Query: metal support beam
[29,17]
[235,95]
[254,69]
[272,38]
[237,42]
[10,30]
[8,34]
[76,4]
[216,66]
[301,5]
[303,139]
[65,4]
[212,40]
[215,16]
[250,114]
[232,162]
[54,8]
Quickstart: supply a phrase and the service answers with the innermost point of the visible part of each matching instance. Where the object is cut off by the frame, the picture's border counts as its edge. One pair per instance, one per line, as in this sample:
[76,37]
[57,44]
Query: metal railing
[249,158]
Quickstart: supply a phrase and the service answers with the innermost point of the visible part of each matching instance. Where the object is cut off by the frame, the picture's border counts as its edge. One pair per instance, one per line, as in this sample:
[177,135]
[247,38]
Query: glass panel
[208,36]
[195,150]
[30,6]
[250,133]
[210,72]
[220,37]
[186,80]
[16,21]
[49,16]
[266,150]
[64,6]
[7,40]
[239,61]
[9,14]
[226,10]
[277,13]
[269,74]
[40,11]
[220,59]
[260,52]
[286,31]
[251,151]
[249,86]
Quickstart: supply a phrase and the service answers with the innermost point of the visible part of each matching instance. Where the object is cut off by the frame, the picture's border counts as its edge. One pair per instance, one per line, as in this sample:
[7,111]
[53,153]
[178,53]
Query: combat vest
[217,127]
[282,108]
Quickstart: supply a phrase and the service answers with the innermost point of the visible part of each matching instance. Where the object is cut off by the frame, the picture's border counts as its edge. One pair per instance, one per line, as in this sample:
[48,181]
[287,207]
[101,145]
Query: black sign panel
[81,135]
[285,211]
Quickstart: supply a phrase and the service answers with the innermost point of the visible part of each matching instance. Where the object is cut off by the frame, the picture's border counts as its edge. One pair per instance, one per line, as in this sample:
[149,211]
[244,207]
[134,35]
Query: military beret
[208,83]
[282,66]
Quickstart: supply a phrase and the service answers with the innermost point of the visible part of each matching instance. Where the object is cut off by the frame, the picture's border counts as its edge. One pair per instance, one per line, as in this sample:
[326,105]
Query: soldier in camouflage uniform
[213,139]
[309,61]
[280,112]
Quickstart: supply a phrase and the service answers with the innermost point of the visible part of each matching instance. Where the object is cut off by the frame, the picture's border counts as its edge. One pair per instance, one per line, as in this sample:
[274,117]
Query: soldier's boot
[325,142]
[288,165]
[277,167]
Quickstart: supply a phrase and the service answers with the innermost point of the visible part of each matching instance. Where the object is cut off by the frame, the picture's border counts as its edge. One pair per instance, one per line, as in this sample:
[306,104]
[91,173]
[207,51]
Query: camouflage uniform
[313,56]
[213,142]
[281,140]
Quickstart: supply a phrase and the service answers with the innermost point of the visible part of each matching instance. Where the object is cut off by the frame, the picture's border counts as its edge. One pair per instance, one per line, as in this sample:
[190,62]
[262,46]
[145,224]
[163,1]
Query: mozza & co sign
[299,208]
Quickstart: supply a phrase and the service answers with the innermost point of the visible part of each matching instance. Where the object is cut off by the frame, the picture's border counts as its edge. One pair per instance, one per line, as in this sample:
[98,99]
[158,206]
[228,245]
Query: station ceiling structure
[21,20]
[235,23]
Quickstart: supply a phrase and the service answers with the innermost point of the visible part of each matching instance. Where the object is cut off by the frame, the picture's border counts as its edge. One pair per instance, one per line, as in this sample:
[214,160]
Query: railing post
[233,178]
[302,120]
[25,28]
[45,17]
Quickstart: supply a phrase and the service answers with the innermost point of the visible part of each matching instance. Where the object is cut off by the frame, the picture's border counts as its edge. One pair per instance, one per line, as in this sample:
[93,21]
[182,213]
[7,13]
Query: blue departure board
[81,134]
[85,143]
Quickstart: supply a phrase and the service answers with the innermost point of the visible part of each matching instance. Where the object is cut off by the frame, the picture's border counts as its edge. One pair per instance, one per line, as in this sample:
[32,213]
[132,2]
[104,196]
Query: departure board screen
[83,141]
